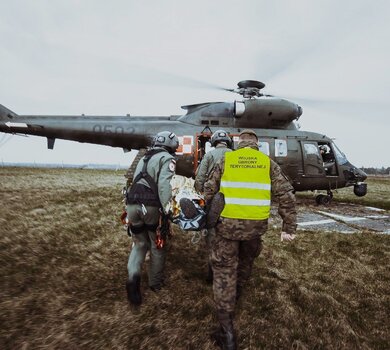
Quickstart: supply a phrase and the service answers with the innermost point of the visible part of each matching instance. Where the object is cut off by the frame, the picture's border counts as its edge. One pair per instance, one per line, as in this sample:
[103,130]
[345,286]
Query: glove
[284,236]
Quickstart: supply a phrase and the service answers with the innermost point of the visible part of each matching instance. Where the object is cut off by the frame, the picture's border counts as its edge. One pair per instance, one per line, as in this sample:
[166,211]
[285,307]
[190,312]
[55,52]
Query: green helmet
[167,140]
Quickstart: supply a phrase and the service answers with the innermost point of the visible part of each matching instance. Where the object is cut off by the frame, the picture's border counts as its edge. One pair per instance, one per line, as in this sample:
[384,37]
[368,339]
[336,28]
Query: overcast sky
[143,58]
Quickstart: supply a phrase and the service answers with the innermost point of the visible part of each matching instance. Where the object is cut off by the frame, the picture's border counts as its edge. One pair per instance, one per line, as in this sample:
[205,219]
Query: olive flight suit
[207,164]
[144,219]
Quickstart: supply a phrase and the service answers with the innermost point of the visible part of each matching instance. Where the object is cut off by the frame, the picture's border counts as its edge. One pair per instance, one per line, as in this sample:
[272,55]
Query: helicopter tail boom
[9,119]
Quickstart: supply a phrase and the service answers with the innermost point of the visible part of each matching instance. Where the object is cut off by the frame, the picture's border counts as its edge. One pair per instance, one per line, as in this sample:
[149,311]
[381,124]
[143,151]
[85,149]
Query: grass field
[63,256]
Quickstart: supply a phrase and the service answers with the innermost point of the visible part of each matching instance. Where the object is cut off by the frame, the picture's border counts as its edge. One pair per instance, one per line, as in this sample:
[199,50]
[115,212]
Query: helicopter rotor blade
[147,75]
[347,108]
[134,73]
[352,109]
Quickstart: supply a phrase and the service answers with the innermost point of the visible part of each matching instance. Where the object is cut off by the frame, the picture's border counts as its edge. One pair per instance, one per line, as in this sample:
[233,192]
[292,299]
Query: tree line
[376,171]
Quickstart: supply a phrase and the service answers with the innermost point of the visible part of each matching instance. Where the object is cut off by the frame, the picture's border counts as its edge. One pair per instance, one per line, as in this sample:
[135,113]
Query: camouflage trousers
[232,262]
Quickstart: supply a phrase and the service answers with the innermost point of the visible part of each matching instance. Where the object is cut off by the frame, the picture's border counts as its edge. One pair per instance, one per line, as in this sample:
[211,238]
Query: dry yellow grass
[63,256]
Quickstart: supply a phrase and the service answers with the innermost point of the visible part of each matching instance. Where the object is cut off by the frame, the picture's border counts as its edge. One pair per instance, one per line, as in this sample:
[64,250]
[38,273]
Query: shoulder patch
[172,165]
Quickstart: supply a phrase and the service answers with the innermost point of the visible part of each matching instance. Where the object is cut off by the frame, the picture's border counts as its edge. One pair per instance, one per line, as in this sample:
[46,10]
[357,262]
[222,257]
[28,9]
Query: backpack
[142,194]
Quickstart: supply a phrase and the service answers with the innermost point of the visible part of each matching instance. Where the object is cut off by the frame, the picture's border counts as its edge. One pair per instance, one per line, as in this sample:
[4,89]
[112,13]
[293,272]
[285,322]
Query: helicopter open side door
[328,158]
[202,146]
[312,160]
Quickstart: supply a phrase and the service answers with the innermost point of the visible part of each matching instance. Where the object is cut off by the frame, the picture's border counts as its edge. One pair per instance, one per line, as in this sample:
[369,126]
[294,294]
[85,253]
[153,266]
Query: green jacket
[207,164]
[161,167]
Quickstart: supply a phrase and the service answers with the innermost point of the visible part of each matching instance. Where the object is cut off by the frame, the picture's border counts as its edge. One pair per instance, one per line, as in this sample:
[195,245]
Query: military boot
[188,208]
[133,289]
[225,336]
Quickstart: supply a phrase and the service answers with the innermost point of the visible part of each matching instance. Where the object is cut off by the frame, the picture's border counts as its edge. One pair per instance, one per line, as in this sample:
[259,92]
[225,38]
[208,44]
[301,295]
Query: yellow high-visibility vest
[246,185]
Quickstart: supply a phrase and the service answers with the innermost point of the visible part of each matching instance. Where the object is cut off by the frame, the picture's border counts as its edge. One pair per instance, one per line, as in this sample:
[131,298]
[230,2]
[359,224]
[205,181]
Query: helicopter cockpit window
[311,148]
[340,156]
[280,148]
[264,147]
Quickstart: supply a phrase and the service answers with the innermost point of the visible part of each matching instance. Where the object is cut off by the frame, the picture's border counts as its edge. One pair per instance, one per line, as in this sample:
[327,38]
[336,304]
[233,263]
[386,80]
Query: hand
[286,237]
[167,211]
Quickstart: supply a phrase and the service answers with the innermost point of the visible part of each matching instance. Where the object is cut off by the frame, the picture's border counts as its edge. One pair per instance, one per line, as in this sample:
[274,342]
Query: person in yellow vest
[246,178]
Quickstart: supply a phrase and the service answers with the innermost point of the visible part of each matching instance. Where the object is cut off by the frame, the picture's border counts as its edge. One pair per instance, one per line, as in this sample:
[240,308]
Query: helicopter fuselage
[297,152]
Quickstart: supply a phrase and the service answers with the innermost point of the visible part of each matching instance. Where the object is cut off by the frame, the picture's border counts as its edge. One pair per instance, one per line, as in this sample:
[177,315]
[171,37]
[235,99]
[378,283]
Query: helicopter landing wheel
[323,199]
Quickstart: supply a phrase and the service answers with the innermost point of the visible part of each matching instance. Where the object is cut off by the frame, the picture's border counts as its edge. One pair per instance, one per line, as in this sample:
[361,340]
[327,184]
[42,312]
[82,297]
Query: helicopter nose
[300,111]
[361,174]
[354,174]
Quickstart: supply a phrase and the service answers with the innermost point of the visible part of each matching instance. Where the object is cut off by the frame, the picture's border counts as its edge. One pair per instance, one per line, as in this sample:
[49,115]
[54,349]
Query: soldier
[222,143]
[246,178]
[148,199]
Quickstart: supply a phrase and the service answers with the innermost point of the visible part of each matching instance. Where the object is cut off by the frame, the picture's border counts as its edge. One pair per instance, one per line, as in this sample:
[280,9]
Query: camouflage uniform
[144,219]
[238,242]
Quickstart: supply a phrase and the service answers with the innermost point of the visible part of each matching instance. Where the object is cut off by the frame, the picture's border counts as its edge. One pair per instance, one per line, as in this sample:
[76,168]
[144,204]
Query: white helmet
[167,140]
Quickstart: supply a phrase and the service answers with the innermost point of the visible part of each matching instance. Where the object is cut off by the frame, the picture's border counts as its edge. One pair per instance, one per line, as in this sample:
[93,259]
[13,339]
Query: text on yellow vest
[246,185]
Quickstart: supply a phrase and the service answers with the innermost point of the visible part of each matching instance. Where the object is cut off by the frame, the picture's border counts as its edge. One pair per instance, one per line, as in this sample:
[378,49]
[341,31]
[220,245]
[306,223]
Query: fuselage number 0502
[109,128]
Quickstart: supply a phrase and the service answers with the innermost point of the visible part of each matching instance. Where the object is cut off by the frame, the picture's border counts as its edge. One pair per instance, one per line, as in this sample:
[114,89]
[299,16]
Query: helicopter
[310,160]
